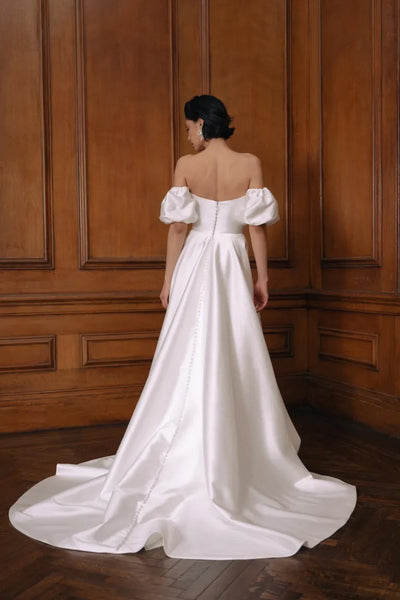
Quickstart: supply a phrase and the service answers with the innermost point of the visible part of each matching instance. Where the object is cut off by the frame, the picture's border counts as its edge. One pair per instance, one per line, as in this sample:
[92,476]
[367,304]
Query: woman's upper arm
[257,182]
[180,172]
[256,176]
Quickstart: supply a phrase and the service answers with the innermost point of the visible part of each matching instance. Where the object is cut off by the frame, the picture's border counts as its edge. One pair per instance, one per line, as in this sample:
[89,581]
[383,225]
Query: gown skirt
[208,466]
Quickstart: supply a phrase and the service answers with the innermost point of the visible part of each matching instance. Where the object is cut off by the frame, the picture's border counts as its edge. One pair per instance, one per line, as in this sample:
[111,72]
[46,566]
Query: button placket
[215,218]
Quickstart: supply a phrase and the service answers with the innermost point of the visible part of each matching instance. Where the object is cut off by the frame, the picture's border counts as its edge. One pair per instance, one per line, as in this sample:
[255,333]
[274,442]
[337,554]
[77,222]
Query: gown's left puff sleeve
[261,207]
[178,205]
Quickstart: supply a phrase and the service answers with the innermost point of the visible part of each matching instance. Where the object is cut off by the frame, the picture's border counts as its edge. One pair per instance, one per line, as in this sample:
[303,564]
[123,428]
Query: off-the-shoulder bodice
[257,207]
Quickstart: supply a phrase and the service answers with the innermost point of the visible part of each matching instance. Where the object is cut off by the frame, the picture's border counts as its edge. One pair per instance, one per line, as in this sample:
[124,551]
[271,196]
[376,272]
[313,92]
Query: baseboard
[95,406]
[375,409]
[58,409]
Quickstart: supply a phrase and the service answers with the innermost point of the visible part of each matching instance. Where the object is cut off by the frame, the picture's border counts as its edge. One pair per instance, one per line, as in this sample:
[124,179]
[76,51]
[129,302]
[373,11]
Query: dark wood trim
[385,304]
[10,304]
[205,46]
[109,302]
[396,17]
[174,84]
[286,259]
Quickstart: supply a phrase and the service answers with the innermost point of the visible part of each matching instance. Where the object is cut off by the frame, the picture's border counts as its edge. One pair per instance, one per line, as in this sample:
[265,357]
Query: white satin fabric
[208,465]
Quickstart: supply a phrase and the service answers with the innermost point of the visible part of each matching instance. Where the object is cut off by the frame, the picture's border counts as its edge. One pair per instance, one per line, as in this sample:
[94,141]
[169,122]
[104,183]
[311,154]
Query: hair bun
[214,114]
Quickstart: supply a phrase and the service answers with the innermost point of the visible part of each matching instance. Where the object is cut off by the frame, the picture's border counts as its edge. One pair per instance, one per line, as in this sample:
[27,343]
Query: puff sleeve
[178,205]
[261,207]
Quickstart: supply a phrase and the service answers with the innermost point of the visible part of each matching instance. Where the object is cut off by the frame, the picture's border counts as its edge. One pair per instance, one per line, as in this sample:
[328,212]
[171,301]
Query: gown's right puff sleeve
[178,206]
[261,207]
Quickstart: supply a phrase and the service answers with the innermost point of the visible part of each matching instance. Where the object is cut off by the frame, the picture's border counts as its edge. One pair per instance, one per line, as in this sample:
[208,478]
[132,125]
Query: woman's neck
[215,144]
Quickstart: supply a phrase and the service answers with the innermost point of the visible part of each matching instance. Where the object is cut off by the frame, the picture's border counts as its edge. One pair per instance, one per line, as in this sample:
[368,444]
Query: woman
[219,173]
[208,466]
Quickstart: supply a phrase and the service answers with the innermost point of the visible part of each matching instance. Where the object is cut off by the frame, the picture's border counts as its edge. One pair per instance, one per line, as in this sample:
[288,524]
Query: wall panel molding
[27,353]
[117,302]
[40,35]
[205,46]
[174,81]
[118,349]
[98,302]
[374,258]
[280,340]
[353,347]
[87,259]
[364,302]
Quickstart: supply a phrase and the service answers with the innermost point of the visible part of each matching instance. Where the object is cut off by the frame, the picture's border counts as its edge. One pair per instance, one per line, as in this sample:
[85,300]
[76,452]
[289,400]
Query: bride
[208,466]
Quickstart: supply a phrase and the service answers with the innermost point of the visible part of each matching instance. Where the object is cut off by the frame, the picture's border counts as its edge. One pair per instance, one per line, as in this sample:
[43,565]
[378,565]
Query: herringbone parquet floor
[360,562]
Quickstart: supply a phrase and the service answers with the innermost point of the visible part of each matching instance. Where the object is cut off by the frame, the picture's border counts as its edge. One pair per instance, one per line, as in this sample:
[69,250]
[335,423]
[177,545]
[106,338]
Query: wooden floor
[360,562]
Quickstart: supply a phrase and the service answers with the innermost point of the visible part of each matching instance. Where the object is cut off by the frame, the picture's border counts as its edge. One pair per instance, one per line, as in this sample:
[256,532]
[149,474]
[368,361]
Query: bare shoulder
[184,158]
[254,168]
[250,162]
[252,159]
[183,161]
[181,169]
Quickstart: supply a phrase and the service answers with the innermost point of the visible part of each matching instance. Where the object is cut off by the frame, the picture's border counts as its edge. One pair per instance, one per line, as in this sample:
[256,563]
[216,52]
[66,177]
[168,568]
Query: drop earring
[200,132]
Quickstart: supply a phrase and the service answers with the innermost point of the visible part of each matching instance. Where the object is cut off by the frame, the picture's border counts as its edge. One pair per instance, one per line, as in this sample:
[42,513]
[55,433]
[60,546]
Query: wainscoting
[92,122]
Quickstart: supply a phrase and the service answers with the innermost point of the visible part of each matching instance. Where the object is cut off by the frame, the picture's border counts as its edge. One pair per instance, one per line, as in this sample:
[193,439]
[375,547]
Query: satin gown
[208,466]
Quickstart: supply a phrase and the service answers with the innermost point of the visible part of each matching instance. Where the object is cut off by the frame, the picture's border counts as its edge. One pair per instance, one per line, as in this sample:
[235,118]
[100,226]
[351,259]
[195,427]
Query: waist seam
[210,231]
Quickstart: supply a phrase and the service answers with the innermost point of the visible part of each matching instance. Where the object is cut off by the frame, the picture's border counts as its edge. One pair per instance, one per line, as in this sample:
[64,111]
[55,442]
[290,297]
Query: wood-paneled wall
[92,122]
[354,302]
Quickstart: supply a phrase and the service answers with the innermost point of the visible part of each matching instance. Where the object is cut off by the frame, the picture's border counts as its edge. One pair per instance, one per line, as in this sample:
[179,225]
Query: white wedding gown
[208,465]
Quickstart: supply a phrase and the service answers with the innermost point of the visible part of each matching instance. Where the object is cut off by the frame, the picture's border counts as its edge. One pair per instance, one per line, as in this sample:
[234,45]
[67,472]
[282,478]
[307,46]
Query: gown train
[208,466]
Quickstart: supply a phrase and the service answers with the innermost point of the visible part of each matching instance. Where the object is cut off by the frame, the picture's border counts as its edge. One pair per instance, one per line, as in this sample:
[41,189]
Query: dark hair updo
[213,112]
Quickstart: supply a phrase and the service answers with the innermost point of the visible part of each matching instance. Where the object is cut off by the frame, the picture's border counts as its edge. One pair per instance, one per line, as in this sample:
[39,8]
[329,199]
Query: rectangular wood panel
[353,348]
[125,118]
[25,149]
[349,346]
[118,349]
[350,77]
[31,353]
[280,340]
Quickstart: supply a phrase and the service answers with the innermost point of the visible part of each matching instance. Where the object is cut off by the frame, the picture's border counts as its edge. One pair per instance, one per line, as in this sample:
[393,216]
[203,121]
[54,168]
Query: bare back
[219,173]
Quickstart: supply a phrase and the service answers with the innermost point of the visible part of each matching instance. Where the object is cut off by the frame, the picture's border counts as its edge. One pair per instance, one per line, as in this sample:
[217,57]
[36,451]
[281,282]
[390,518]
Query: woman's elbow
[257,229]
[178,227]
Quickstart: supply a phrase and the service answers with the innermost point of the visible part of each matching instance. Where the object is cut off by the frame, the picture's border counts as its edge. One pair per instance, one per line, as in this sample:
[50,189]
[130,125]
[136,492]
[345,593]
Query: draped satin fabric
[208,466]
